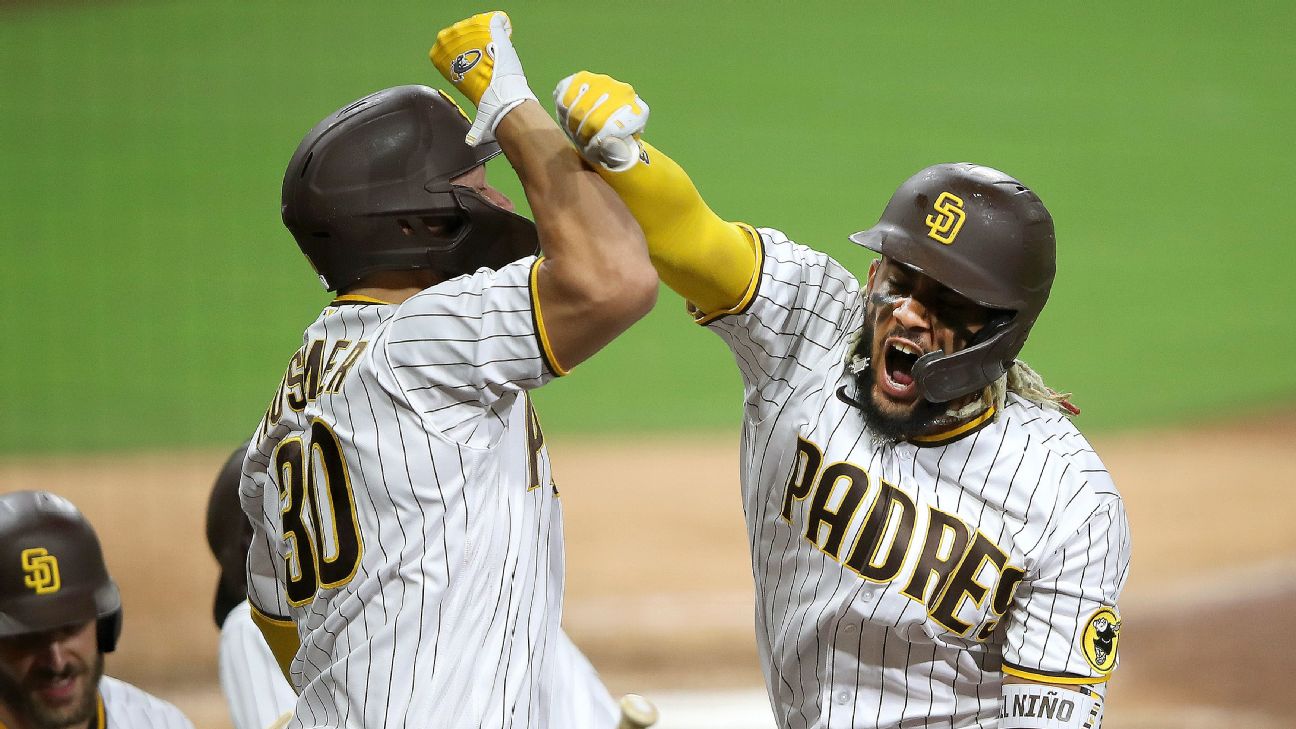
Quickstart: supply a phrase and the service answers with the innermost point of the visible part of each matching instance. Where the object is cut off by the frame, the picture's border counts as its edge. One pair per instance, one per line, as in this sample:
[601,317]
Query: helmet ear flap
[943,377]
[108,630]
[998,320]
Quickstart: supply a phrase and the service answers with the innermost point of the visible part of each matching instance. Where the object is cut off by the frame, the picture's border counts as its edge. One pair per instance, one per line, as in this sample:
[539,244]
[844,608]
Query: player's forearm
[705,259]
[595,280]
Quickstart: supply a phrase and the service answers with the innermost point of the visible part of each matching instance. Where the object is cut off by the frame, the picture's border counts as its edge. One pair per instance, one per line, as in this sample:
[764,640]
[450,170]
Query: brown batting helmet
[984,235]
[369,189]
[52,571]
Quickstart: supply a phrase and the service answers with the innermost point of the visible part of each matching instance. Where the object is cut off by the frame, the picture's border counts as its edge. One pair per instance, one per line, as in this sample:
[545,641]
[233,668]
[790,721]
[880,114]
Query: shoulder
[777,248]
[129,706]
[1052,446]
[238,624]
[465,292]
[795,275]
[1045,430]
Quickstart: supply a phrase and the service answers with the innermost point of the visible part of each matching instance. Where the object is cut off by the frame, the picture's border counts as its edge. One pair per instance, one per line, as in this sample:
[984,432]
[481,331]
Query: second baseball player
[933,542]
[407,526]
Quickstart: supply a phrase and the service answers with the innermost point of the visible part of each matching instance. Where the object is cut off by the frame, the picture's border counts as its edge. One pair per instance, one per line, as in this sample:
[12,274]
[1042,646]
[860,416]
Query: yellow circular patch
[1100,638]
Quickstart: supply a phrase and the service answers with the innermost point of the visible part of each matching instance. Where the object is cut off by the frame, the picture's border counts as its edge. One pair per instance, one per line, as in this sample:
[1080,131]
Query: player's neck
[384,294]
[393,287]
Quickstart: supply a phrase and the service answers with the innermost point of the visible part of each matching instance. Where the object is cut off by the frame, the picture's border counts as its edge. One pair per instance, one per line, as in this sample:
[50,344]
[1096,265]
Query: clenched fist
[603,117]
[477,56]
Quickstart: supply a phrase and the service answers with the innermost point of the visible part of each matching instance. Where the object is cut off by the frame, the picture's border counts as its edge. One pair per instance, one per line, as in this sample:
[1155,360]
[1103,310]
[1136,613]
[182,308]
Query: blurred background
[151,296]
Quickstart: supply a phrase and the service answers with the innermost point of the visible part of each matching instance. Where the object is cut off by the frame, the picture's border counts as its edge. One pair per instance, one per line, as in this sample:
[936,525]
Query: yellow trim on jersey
[281,635]
[949,435]
[358,299]
[1046,678]
[546,348]
[710,262]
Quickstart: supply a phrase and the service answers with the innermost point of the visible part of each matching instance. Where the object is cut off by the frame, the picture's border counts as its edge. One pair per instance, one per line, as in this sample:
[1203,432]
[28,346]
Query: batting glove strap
[603,117]
[477,56]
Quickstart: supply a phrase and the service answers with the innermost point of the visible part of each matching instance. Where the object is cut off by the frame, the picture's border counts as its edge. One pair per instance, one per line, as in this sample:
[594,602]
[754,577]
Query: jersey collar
[357,299]
[960,431]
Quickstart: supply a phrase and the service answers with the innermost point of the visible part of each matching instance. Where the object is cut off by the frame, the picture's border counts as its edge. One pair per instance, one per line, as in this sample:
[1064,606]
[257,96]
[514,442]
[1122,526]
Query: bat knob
[637,712]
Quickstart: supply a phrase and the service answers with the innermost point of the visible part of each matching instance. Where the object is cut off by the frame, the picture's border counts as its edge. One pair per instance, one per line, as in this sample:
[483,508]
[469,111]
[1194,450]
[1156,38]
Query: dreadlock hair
[1023,380]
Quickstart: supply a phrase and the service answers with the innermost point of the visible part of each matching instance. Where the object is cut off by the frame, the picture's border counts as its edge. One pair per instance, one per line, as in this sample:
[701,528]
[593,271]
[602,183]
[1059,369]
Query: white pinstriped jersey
[896,583]
[254,687]
[127,707]
[258,694]
[405,516]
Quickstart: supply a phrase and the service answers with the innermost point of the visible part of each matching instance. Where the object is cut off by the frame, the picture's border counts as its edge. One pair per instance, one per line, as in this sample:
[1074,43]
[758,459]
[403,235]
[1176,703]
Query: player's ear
[873,267]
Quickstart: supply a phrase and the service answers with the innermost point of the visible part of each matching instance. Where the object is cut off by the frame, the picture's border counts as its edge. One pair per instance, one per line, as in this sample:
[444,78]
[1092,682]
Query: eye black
[900,284]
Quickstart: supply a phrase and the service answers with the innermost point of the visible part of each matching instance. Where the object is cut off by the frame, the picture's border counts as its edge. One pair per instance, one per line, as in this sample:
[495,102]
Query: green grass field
[152,297]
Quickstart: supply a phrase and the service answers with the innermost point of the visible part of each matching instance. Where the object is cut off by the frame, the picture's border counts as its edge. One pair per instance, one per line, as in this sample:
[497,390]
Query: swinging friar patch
[1100,638]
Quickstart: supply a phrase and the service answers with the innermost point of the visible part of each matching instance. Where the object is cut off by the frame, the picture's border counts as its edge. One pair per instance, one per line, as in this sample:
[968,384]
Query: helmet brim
[39,613]
[970,281]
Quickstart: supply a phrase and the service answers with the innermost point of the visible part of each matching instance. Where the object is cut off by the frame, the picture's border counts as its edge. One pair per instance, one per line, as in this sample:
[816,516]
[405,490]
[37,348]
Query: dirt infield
[659,585]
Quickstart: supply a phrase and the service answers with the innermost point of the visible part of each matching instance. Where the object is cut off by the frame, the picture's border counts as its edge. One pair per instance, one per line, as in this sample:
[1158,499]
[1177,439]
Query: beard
[922,417]
[25,705]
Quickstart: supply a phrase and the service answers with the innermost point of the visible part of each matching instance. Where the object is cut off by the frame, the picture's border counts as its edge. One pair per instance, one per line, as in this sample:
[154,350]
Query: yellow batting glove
[477,56]
[603,117]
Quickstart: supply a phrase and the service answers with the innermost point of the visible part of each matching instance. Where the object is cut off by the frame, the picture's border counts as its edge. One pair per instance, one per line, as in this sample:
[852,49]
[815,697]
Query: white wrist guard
[503,95]
[508,86]
[1038,706]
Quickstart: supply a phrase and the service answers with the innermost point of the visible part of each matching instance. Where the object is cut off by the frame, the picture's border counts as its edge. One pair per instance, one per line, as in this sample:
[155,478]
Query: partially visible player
[60,612]
[255,688]
[933,542]
[407,559]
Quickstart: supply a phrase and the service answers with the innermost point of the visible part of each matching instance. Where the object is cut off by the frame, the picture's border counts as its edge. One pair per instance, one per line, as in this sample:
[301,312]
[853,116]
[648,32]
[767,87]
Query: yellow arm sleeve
[710,262]
[281,636]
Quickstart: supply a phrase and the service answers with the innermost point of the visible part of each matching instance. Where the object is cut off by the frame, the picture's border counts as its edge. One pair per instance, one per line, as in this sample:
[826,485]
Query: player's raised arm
[595,279]
[707,260]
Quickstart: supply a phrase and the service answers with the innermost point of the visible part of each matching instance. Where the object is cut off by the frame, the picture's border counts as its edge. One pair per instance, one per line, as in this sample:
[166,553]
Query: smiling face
[50,680]
[908,315]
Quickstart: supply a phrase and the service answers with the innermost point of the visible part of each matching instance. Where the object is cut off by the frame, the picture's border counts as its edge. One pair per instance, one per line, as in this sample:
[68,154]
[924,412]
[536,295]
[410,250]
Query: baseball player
[256,690]
[933,542]
[406,562]
[60,613]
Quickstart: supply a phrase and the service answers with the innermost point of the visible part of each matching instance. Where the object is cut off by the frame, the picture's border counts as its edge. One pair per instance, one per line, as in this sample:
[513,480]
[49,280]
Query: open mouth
[899,356]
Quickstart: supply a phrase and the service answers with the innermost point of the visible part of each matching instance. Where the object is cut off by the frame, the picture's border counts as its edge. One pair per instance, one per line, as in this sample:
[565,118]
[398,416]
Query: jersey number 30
[325,552]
